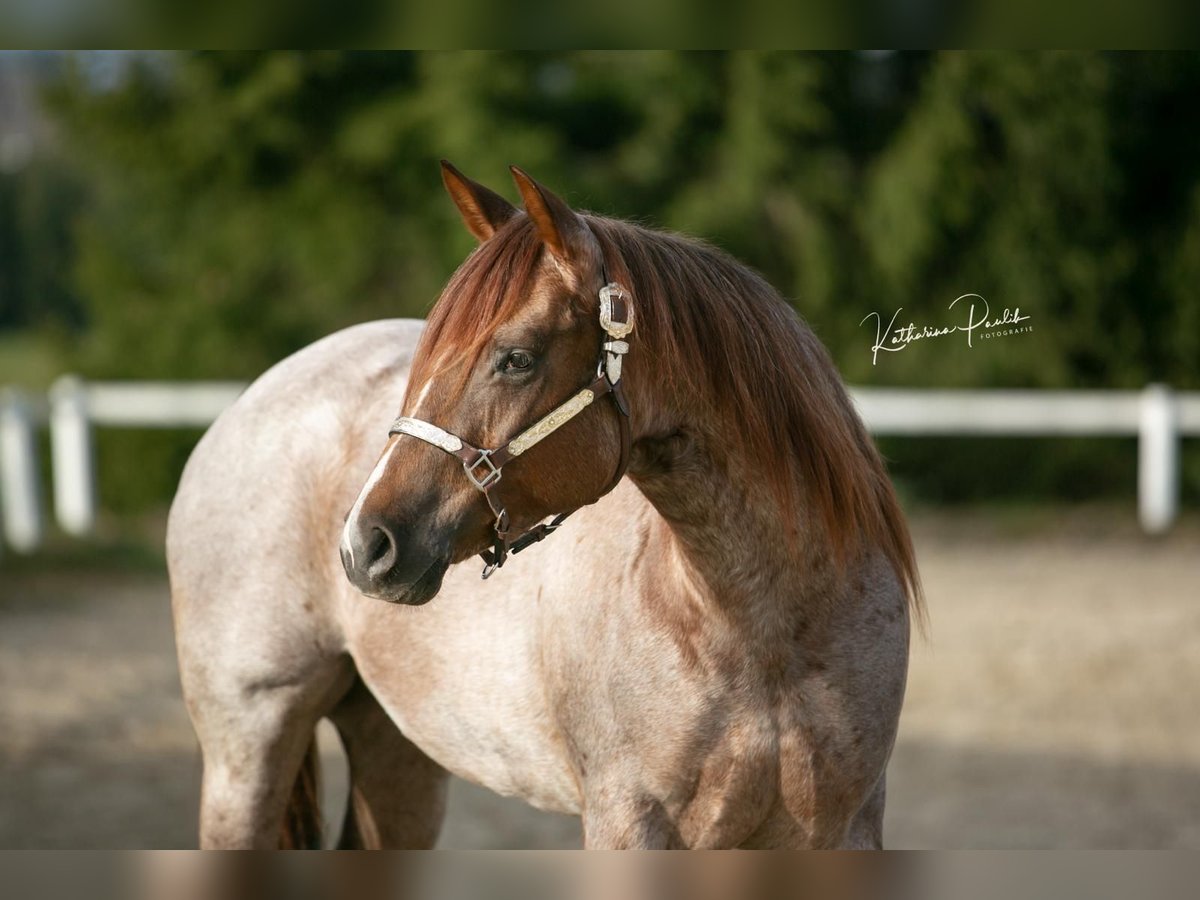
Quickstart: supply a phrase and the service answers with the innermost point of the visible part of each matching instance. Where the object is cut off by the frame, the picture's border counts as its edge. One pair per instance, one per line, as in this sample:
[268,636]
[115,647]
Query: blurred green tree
[240,205]
[36,205]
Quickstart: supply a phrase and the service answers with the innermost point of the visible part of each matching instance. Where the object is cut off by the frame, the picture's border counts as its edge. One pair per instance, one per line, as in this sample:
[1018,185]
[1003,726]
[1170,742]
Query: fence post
[1158,459]
[71,453]
[20,487]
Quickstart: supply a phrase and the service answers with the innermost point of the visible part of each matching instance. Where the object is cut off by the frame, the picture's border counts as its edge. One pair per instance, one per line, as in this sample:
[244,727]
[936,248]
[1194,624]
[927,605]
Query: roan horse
[712,655]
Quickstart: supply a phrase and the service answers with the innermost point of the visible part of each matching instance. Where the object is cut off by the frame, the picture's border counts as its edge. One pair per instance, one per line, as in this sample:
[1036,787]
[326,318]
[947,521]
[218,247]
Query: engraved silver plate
[428,433]
[552,421]
[616,329]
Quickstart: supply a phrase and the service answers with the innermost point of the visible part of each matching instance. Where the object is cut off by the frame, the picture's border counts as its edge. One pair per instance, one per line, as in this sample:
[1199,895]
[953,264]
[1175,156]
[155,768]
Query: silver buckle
[617,330]
[492,476]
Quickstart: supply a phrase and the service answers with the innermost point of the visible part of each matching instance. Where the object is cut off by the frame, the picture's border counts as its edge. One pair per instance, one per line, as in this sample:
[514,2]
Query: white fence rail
[1156,416]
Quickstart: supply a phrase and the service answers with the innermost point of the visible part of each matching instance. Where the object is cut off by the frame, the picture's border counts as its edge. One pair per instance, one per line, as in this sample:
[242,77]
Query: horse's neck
[737,553]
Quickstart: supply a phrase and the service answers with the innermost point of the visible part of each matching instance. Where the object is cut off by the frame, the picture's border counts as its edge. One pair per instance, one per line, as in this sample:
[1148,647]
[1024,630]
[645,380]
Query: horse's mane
[717,331]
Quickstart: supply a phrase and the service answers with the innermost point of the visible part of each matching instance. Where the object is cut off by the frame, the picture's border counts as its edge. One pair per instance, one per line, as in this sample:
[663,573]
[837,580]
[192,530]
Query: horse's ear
[559,227]
[482,209]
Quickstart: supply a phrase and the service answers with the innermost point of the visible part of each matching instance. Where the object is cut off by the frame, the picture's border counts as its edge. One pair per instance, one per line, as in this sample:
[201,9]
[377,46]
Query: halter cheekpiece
[484,467]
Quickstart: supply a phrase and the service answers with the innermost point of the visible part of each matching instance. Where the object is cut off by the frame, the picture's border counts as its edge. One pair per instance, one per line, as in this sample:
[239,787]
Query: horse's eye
[518,359]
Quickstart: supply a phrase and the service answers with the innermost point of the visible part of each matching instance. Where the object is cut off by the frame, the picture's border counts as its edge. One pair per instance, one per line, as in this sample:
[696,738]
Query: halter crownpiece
[483,467]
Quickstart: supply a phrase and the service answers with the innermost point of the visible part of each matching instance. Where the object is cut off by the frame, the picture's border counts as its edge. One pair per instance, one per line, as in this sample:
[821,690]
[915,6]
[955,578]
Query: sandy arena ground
[1055,705]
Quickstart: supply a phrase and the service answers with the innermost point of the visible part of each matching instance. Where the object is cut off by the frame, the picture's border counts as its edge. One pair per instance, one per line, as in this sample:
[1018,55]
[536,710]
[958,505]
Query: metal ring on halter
[500,548]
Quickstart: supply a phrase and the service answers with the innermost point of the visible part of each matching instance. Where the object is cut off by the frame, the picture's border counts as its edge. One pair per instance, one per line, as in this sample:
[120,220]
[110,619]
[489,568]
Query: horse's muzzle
[383,565]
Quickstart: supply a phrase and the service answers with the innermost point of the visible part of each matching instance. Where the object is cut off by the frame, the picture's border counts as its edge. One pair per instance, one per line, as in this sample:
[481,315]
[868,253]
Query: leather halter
[484,467]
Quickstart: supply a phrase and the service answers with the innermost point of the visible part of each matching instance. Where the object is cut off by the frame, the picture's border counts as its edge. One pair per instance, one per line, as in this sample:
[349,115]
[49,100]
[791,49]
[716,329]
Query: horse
[706,647]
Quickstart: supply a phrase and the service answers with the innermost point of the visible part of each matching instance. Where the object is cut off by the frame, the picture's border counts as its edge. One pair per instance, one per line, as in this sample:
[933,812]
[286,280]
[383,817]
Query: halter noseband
[483,467]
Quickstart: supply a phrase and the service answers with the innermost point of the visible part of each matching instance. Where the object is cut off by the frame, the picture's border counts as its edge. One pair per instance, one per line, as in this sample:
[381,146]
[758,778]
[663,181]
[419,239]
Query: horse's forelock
[483,292]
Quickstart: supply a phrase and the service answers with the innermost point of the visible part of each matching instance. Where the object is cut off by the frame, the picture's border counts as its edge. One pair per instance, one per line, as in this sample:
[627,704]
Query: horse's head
[498,429]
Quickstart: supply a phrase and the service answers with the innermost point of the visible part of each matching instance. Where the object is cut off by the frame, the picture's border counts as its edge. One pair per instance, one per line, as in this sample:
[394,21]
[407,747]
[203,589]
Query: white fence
[72,410]
[1158,417]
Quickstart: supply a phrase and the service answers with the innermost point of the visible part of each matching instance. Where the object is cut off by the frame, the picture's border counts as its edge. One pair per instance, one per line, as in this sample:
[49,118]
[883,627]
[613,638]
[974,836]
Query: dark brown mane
[718,331]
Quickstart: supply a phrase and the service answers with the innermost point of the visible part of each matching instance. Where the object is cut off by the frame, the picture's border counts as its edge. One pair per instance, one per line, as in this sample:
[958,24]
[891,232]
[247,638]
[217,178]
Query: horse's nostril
[379,552]
[380,556]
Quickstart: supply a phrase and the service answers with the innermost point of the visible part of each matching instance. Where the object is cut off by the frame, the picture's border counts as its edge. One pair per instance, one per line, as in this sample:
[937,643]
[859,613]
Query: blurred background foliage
[202,215]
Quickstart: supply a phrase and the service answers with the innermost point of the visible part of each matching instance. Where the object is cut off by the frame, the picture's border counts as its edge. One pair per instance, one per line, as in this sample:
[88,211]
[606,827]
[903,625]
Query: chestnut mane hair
[715,330]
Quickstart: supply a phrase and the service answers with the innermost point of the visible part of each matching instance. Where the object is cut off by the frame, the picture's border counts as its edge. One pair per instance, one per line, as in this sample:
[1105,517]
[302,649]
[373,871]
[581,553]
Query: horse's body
[671,664]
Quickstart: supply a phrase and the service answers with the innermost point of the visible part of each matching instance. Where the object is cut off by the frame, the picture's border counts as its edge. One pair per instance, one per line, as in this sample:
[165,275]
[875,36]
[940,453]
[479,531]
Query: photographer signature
[893,339]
